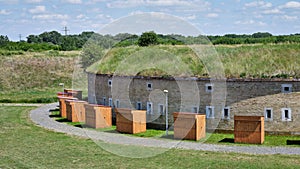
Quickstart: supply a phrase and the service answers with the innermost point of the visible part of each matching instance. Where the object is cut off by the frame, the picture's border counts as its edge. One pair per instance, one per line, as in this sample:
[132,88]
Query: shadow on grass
[227,140]
[62,120]
[54,115]
[80,125]
[169,136]
[52,110]
[110,131]
[292,142]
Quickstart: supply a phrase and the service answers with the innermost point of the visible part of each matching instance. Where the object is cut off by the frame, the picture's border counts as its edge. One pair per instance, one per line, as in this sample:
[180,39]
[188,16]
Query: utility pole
[66,30]
[166,111]
[20,37]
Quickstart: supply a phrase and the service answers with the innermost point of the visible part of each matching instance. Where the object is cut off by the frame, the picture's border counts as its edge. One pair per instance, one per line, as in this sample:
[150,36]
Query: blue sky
[214,17]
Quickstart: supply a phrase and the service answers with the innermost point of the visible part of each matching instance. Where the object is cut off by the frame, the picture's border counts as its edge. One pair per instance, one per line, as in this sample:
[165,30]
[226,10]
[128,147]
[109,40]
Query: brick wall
[184,96]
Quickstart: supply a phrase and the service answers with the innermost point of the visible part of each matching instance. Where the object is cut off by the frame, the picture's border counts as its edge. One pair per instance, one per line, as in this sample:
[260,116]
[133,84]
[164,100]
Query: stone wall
[184,95]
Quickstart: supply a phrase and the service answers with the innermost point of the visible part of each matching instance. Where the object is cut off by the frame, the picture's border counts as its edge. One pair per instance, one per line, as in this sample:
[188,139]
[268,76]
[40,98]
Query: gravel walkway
[40,116]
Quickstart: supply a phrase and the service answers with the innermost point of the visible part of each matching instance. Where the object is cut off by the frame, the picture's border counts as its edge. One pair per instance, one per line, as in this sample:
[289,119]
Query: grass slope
[251,61]
[34,76]
[24,145]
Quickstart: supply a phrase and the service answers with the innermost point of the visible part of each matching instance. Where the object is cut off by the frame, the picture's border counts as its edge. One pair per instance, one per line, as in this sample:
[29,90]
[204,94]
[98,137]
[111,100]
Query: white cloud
[191,17]
[272,11]
[136,12]
[34,1]
[161,3]
[212,15]
[64,23]
[4,12]
[168,2]
[260,23]
[9,2]
[105,18]
[250,22]
[74,1]
[291,4]
[260,4]
[81,16]
[38,9]
[289,18]
[125,3]
[50,16]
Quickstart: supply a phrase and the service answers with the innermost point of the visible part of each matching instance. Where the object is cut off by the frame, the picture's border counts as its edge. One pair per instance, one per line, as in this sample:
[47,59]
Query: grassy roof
[253,61]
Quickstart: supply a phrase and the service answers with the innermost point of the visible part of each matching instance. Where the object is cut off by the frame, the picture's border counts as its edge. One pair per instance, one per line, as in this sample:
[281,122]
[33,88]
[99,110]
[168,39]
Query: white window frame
[195,108]
[149,106]
[117,103]
[266,114]
[151,84]
[109,82]
[289,86]
[104,101]
[212,114]
[159,108]
[110,102]
[137,106]
[223,113]
[207,87]
[289,118]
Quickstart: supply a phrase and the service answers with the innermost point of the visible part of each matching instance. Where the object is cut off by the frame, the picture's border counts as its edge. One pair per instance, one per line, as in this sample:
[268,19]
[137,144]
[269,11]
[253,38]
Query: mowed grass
[24,145]
[211,138]
[47,95]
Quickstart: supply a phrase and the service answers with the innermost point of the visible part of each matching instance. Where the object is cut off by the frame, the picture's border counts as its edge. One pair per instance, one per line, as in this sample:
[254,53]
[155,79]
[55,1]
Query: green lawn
[30,96]
[24,145]
[211,138]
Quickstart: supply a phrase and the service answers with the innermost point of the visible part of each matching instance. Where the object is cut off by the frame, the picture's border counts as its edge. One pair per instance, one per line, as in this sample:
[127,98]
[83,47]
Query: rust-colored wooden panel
[189,126]
[98,116]
[75,110]
[249,129]
[130,121]
[62,105]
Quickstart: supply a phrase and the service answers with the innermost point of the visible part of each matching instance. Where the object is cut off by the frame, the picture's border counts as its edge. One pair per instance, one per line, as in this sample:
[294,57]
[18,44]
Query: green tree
[148,38]
[3,40]
[261,35]
[52,37]
[34,39]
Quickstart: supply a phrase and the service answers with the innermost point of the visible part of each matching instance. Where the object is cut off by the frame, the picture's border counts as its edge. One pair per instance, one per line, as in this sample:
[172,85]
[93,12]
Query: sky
[215,17]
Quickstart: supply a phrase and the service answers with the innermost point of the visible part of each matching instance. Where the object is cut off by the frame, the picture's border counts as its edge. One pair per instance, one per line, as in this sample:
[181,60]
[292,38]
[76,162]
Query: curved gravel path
[40,116]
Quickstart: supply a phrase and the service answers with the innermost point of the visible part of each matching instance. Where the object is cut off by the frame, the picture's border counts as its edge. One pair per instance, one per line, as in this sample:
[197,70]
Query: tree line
[55,41]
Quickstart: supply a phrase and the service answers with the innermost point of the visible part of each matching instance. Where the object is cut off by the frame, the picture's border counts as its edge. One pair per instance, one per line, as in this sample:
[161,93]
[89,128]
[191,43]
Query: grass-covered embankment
[239,61]
[34,77]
